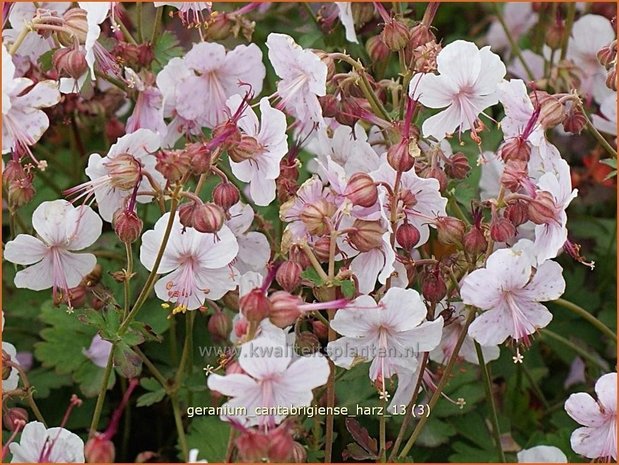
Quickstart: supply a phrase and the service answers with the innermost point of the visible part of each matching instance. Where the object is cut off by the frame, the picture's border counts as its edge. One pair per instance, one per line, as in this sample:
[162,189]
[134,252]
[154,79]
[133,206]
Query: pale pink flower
[597,439]
[96,13]
[541,454]
[190,13]
[148,110]
[509,290]
[196,264]
[99,351]
[390,334]
[534,62]
[589,34]
[519,18]
[213,75]
[606,121]
[39,444]
[303,79]
[23,122]
[262,169]
[290,212]
[122,172]
[254,249]
[466,85]
[344,12]
[61,229]
[420,200]
[274,376]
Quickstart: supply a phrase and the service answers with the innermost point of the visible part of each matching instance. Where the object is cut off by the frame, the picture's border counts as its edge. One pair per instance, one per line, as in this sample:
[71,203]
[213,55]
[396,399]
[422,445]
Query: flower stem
[512,42]
[182,440]
[583,353]
[153,369]
[485,371]
[599,137]
[127,281]
[94,424]
[19,40]
[138,9]
[382,434]
[569,21]
[587,316]
[439,388]
[28,387]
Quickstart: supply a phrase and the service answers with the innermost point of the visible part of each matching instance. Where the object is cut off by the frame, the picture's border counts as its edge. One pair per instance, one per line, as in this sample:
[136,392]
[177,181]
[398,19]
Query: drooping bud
[457,166]
[99,449]
[377,49]
[554,34]
[315,215]
[575,120]
[14,418]
[127,225]
[501,229]
[288,275]
[611,79]
[542,209]
[124,171]
[255,305]
[219,325]
[514,174]
[551,113]
[407,236]
[474,241]
[607,55]
[284,309]
[395,35]
[366,235]
[515,148]
[437,173]
[246,148]
[433,287]
[226,195]
[399,156]
[306,343]
[322,248]
[420,35]
[69,62]
[450,230]
[76,27]
[208,218]
[186,212]
[517,212]
[173,164]
[361,190]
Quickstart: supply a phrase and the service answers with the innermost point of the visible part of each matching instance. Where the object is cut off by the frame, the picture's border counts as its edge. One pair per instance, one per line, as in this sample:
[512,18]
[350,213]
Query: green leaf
[348,288]
[156,394]
[312,275]
[90,377]
[127,362]
[167,47]
[210,436]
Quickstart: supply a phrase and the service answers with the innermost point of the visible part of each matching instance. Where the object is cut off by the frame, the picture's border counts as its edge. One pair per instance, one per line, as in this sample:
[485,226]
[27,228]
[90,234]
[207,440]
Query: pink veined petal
[83,228]
[244,170]
[262,190]
[241,217]
[263,357]
[151,242]
[492,72]
[254,252]
[606,390]
[547,283]
[403,309]
[360,317]
[49,221]
[433,91]
[367,266]
[480,289]
[549,238]
[492,327]
[31,122]
[216,251]
[443,123]
[30,444]
[201,98]
[232,385]
[36,277]
[180,287]
[596,443]
[140,143]
[528,316]
[205,57]
[25,250]
[460,61]
[584,409]
[214,283]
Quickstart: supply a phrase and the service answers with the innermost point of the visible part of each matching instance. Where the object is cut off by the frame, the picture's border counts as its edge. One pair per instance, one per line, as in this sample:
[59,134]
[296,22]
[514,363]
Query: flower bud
[450,230]
[99,450]
[551,113]
[255,305]
[542,209]
[299,454]
[76,296]
[281,444]
[227,134]
[362,13]
[297,255]
[407,236]
[554,34]
[575,121]
[320,329]
[186,212]
[69,62]
[502,230]
[420,35]
[253,446]
[14,418]
[245,149]
[226,195]
[366,235]
[21,191]
[200,158]
[611,79]
[322,248]
[399,156]
[219,325]
[127,225]
[219,27]
[315,215]
[284,309]
[173,164]
[329,105]
[377,49]
[436,172]
[395,35]
[124,171]
[361,190]
[208,218]
[457,166]
[515,148]
[517,213]
[608,54]
[514,174]
[76,27]
[288,275]
[474,241]
[306,343]
[433,287]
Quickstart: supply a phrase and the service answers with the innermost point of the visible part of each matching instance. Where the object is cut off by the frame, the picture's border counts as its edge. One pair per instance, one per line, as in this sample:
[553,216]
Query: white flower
[606,121]
[61,229]
[597,439]
[519,18]
[193,457]
[196,264]
[41,445]
[510,290]
[23,122]
[99,351]
[262,169]
[254,248]
[466,85]
[274,377]
[303,79]
[542,454]
[344,11]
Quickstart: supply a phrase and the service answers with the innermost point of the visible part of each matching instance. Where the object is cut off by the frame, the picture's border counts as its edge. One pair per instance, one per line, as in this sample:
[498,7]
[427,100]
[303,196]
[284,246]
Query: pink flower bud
[288,275]
[315,215]
[366,235]
[245,149]
[575,120]
[437,173]
[125,171]
[329,105]
[517,213]
[514,175]
[320,329]
[281,444]
[219,326]
[474,241]
[542,209]
[450,230]
[127,225]
[226,195]
[284,308]
[457,166]
[377,49]
[219,27]
[407,236]
[186,212]
[76,25]
[200,158]
[173,164]
[399,156]
[433,287]
[14,418]
[114,129]
[306,343]
[515,149]
[208,218]
[361,190]
[502,230]
[98,449]
[608,54]
[69,62]
[321,248]
[551,113]
[255,305]
[395,35]
[297,255]
[420,35]
[253,446]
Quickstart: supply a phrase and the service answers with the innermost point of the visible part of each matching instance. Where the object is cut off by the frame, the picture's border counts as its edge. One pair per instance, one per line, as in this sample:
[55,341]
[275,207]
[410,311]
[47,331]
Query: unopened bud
[329,104]
[208,218]
[328,60]
[173,164]
[436,172]
[457,166]
[554,34]
[127,225]
[14,418]
[517,213]
[611,79]
[306,343]
[226,195]
[255,305]
[542,209]
[433,287]
[395,35]
[551,113]
[514,174]
[299,454]
[76,27]
[219,325]
[21,191]
[288,275]
[200,158]
[99,450]
[607,55]
[124,171]
[420,35]
[361,190]
[245,149]
[69,62]
[502,230]
[515,148]
[315,215]
[284,309]
[322,248]
[575,121]
[186,213]
[366,235]
[320,329]
[450,230]
[399,156]
[408,236]
[281,444]
[474,241]
[377,49]
[219,27]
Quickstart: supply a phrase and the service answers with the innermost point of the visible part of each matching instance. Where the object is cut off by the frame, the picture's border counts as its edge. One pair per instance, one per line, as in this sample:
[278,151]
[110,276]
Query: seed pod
[208,218]
[127,225]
